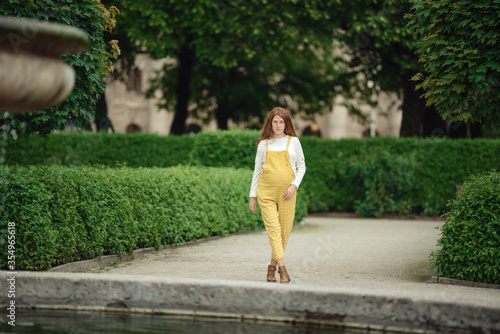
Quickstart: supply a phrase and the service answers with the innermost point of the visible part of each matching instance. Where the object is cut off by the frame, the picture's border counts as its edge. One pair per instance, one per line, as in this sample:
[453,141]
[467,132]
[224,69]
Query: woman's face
[278,124]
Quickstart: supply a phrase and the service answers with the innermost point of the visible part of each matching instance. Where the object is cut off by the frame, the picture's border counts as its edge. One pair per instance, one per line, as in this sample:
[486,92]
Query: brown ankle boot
[285,278]
[270,273]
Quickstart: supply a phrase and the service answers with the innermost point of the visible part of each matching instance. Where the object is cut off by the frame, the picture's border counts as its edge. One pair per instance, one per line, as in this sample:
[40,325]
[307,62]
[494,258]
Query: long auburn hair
[267,130]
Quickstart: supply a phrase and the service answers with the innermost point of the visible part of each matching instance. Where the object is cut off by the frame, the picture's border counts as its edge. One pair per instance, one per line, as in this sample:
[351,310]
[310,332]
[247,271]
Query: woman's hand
[252,204]
[289,192]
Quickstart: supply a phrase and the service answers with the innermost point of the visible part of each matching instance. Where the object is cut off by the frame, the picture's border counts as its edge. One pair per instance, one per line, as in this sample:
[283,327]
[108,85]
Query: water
[79,322]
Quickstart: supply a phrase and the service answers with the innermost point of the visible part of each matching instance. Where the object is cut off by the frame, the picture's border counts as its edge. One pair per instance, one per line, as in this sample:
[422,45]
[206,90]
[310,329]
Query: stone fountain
[32,76]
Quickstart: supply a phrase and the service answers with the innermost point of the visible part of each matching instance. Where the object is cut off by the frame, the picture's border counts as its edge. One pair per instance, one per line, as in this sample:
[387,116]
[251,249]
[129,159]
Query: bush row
[65,214]
[471,235]
[370,176]
[80,149]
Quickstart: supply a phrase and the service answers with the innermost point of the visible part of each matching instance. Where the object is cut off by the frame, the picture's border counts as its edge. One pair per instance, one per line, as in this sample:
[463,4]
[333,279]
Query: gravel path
[377,254]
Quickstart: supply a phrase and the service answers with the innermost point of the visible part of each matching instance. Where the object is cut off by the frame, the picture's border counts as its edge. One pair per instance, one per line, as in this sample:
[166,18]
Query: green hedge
[471,235]
[232,148]
[79,149]
[370,176]
[66,214]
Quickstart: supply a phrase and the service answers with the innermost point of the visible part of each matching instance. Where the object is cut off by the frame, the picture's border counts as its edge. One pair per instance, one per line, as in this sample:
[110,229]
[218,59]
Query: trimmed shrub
[79,149]
[370,176]
[231,148]
[342,175]
[470,242]
[387,180]
[66,214]
[338,174]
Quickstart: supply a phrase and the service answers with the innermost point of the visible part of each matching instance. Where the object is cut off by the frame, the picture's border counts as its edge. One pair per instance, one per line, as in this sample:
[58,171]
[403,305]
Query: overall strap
[266,145]
[288,144]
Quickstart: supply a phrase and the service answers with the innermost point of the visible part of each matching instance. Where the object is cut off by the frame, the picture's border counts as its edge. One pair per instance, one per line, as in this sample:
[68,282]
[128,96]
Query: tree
[373,46]
[460,52]
[125,63]
[379,50]
[222,36]
[302,81]
[91,66]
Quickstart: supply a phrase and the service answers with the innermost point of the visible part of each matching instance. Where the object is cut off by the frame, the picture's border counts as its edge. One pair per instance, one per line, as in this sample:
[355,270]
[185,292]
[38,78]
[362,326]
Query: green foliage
[379,48]
[489,130]
[244,94]
[234,57]
[471,235]
[346,169]
[371,175]
[342,173]
[133,150]
[226,32]
[246,54]
[387,180]
[459,50]
[65,214]
[91,66]
[232,148]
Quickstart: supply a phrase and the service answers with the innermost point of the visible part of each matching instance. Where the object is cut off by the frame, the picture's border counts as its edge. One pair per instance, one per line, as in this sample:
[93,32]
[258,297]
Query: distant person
[279,169]
[312,130]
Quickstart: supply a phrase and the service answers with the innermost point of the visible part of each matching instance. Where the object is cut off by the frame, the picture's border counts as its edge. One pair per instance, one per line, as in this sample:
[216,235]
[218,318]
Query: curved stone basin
[32,77]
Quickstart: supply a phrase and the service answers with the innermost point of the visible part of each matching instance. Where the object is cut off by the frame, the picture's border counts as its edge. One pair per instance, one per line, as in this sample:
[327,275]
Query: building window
[134,79]
[132,127]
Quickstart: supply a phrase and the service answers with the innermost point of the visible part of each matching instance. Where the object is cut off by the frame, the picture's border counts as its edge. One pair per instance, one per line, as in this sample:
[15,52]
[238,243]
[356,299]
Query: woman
[279,169]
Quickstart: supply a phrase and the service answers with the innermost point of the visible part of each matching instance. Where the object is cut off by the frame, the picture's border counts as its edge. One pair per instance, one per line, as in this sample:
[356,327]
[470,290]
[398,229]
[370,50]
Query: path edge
[340,307]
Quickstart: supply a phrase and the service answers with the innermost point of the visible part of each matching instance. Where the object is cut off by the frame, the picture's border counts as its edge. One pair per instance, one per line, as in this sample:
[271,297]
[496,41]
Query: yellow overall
[277,213]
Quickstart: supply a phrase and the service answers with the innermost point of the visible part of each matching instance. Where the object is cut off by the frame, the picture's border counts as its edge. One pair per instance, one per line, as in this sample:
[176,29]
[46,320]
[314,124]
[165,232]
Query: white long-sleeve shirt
[297,160]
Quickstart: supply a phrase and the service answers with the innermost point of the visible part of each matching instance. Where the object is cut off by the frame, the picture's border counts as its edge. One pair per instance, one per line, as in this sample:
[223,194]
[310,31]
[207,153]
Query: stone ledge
[452,281]
[348,308]
[100,261]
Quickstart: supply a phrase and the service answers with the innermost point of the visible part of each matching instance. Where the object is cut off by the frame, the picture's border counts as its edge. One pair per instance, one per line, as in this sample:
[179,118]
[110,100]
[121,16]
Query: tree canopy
[370,40]
[379,51]
[236,59]
[232,38]
[91,66]
[459,48]
[302,81]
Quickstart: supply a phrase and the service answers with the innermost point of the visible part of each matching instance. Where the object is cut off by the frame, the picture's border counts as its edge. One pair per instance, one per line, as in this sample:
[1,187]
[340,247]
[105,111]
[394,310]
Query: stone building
[130,111]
